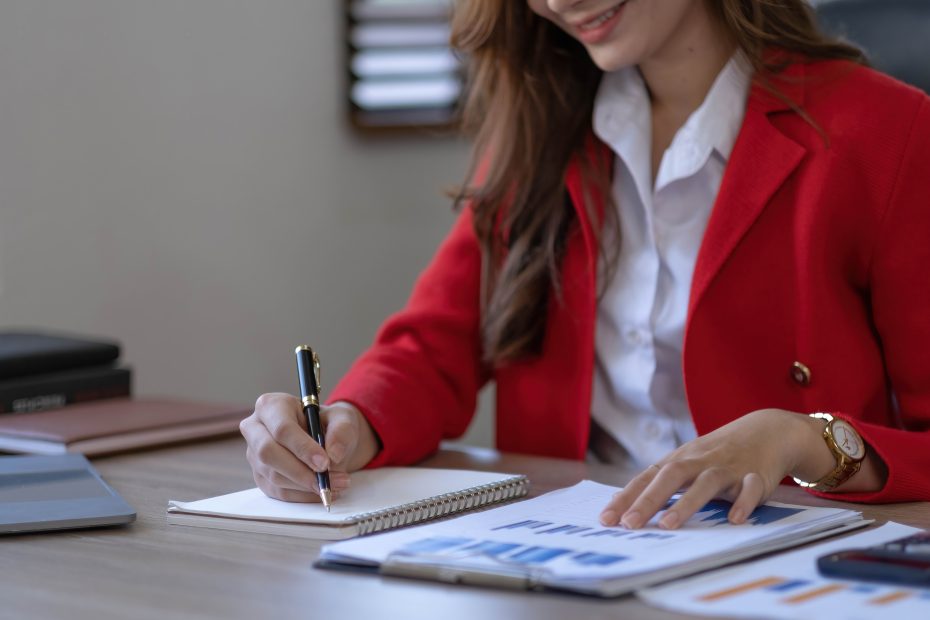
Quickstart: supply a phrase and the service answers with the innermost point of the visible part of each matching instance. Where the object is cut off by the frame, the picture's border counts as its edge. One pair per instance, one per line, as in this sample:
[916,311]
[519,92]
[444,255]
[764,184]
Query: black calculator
[904,562]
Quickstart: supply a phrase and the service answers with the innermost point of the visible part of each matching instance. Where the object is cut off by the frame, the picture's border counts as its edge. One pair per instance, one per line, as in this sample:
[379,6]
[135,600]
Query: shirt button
[637,336]
[801,374]
[652,430]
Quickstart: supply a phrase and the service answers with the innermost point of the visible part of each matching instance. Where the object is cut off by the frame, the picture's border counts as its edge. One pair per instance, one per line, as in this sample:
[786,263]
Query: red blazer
[817,251]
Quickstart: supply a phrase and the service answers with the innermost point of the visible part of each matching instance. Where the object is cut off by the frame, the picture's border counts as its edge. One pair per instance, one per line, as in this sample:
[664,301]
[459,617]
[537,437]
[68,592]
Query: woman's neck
[680,75]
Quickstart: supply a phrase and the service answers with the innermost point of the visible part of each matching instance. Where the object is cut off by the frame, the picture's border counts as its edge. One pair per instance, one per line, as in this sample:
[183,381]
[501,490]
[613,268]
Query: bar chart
[548,528]
[508,552]
[784,590]
[789,586]
[715,512]
[553,544]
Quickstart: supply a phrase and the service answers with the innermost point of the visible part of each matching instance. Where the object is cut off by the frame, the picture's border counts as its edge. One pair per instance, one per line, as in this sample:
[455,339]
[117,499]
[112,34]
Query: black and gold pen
[308,375]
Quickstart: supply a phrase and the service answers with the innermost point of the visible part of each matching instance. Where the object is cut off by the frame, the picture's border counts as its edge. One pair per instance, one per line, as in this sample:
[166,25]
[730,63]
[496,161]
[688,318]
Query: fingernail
[737,515]
[319,462]
[631,520]
[669,520]
[609,517]
[336,452]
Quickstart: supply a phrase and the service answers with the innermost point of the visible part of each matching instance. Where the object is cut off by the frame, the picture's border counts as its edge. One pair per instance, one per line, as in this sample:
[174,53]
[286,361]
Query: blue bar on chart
[615,533]
[652,536]
[565,529]
[435,544]
[537,555]
[492,548]
[715,513]
[530,524]
[597,559]
[789,585]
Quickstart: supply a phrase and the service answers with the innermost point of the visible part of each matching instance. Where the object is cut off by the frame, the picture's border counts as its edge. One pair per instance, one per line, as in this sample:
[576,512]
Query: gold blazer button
[801,374]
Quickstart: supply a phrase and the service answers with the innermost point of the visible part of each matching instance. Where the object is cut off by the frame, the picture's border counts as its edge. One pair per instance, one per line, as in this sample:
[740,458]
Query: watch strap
[846,467]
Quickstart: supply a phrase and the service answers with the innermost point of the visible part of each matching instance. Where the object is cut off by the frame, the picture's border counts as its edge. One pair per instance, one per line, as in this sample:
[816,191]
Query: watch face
[848,440]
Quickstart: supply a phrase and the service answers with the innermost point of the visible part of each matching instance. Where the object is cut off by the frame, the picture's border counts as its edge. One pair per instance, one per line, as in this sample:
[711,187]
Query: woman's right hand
[285,459]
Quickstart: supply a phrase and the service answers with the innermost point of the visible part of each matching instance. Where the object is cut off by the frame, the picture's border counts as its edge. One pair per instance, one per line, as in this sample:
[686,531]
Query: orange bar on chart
[891,597]
[812,594]
[746,587]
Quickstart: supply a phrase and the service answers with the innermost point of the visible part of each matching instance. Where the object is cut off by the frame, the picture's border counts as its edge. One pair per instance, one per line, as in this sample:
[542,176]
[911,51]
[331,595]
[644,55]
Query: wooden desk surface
[151,570]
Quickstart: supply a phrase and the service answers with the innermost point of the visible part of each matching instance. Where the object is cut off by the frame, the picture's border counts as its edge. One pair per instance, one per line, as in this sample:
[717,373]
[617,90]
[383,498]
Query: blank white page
[369,491]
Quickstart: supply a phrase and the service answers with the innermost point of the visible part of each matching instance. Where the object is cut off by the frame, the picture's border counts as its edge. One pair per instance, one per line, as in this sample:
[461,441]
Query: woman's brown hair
[529,107]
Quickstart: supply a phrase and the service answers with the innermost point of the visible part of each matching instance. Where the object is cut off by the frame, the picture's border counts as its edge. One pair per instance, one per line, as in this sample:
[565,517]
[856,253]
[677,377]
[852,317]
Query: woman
[693,223]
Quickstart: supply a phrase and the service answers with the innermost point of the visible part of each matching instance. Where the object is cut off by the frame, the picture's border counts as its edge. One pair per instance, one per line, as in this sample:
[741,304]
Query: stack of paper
[556,541]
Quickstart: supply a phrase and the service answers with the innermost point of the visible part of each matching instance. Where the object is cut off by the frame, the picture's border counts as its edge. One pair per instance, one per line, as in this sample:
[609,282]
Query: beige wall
[178,174]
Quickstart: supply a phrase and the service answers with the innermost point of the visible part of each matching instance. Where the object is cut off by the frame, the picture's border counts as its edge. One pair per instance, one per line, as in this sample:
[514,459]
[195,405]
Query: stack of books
[117,425]
[45,370]
[62,393]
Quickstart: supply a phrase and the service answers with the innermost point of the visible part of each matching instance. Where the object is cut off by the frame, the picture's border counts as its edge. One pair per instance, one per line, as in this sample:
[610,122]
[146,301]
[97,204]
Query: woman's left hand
[743,462]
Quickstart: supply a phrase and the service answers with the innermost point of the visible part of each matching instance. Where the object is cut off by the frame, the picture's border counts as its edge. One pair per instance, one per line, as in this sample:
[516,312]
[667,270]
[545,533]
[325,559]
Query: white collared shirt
[639,395]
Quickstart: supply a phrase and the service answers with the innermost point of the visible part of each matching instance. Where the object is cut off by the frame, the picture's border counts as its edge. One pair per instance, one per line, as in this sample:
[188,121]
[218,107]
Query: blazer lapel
[762,159]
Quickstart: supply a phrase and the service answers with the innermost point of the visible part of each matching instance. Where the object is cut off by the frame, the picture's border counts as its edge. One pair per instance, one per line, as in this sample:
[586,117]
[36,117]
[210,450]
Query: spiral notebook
[377,500]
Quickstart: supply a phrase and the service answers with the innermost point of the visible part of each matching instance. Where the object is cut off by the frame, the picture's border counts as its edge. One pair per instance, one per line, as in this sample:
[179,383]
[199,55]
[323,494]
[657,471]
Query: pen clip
[316,373]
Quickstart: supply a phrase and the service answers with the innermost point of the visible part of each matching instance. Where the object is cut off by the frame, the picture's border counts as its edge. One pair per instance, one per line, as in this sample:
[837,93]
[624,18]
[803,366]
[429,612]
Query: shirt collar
[622,118]
[716,123]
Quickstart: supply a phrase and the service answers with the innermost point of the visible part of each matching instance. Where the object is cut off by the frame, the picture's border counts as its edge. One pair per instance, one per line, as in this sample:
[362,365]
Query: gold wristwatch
[848,448]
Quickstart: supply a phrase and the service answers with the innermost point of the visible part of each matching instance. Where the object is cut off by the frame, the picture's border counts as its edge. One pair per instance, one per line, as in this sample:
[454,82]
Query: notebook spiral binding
[442,505]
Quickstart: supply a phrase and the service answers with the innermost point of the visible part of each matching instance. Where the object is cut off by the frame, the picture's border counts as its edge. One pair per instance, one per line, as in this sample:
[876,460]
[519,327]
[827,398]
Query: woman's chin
[612,56]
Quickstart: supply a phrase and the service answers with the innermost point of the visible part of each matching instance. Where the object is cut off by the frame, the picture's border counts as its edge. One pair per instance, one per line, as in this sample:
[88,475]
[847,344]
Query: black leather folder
[24,353]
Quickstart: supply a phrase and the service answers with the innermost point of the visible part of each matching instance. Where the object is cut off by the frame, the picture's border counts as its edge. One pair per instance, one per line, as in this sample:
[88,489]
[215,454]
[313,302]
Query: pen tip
[327,497]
